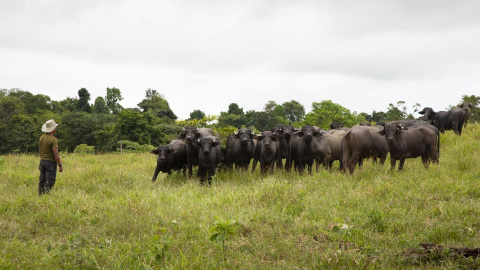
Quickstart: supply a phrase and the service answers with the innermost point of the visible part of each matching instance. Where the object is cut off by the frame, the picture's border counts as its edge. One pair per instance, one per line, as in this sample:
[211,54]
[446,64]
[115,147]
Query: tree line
[106,125]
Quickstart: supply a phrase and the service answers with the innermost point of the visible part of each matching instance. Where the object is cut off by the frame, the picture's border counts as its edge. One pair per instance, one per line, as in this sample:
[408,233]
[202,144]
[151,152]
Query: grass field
[105,213]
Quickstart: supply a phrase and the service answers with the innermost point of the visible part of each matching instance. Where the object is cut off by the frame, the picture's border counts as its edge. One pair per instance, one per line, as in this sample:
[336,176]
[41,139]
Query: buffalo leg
[155,174]
[400,166]
[425,160]
[254,164]
[393,163]
[272,164]
[279,164]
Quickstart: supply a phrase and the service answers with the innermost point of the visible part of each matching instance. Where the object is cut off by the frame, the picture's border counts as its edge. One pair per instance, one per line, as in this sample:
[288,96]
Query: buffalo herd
[301,148]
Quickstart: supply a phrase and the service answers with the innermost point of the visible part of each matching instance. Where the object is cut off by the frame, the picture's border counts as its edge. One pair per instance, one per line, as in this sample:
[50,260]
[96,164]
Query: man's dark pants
[48,174]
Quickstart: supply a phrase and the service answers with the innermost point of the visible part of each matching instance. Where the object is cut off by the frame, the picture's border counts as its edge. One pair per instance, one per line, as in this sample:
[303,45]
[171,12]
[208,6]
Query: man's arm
[57,159]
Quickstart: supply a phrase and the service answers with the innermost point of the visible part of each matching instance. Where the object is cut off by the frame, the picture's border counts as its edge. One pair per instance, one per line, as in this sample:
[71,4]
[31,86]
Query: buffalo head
[391,130]
[267,137]
[207,143]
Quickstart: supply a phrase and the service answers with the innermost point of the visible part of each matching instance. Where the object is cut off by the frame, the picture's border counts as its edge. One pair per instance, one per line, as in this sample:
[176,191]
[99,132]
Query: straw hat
[49,126]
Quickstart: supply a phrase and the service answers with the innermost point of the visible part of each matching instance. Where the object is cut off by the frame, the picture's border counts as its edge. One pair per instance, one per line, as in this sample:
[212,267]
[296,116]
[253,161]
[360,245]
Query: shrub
[133,147]
[84,149]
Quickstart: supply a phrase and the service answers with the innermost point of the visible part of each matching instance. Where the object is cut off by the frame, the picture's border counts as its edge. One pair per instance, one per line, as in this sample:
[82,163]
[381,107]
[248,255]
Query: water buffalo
[301,149]
[446,120]
[327,148]
[240,149]
[209,156]
[413,122]
[172,156]
[266,152]
[411,142]
[466,106]
[283,134]
[335,125]
[362,142]
[190,135]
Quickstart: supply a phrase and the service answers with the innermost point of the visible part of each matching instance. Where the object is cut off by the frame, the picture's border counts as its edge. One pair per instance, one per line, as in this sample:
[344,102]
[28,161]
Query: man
[49,157]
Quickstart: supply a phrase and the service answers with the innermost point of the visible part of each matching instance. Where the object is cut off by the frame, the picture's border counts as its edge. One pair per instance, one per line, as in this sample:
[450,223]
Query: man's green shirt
[46,144]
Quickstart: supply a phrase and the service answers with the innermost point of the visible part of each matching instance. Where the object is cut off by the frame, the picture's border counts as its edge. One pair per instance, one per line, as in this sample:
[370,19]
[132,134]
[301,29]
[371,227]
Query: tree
[155,104]
[113,97]
[233,108]
[251,119]
[270,106]
[394,113]
[378,117]
[23,134]
[35,102]
[474,112]
[294,111]
[266,121]
[83,104]
[134,126]
[81,128]
[234,117]
[325,112]
[196,114]
[100,106]
[9,107]
[64,106]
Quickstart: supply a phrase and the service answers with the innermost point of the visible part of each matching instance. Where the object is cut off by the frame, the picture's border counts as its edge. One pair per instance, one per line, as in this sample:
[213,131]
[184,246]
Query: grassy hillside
[104,213]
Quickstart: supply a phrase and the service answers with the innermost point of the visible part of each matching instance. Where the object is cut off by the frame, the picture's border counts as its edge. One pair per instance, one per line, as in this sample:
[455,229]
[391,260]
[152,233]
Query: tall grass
[104,213]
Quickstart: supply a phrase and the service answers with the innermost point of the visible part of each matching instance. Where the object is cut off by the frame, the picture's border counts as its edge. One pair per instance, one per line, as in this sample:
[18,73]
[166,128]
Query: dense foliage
[105,122]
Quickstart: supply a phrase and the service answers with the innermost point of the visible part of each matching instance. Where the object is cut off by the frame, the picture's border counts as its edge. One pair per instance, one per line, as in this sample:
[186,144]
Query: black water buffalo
[466,106]
[335,125]
[283,134]
[411,142]
[301,149]
[190,135]
[327,148]
[172,156]
[413,122]
[266,151]
[240,149]
[446,120]
[209,156]
[362,142]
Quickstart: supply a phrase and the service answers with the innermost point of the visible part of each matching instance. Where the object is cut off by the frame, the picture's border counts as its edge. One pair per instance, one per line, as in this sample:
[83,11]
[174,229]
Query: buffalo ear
[197,142]
[471,105]
[254,136]
[381,132]
[171,149]
[259,137]
[299,134]
[181,136]
[422,111]
[274,138]
[154,151]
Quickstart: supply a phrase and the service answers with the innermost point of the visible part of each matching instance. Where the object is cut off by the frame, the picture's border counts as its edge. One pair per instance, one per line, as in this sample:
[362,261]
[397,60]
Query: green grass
[104,213]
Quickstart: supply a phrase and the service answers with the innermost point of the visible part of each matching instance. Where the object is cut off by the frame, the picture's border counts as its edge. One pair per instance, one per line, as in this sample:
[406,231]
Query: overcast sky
[206,54]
